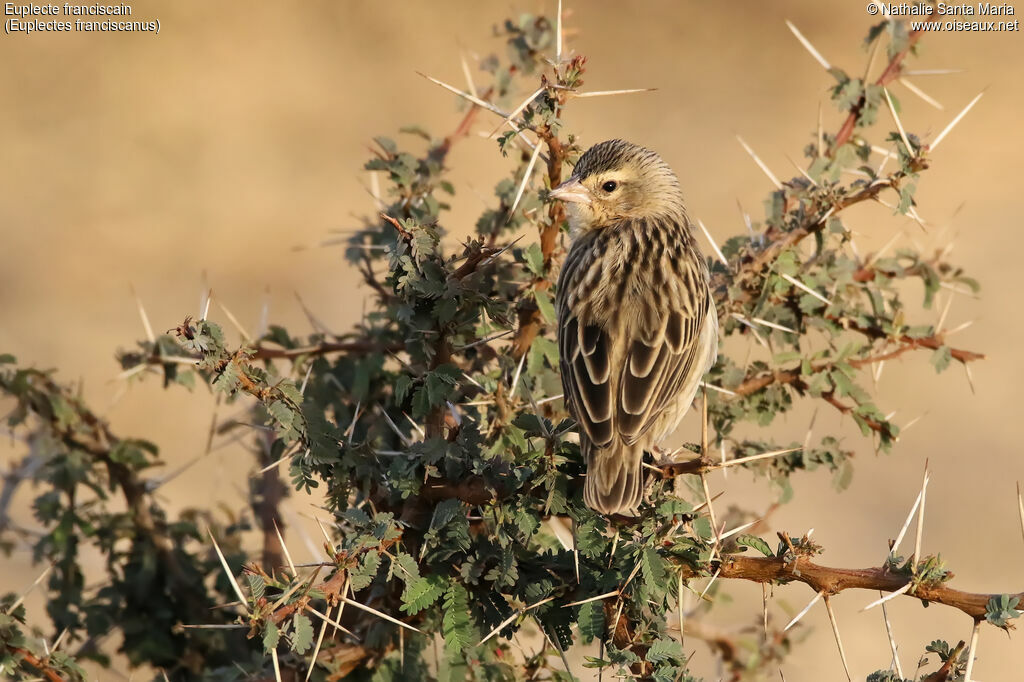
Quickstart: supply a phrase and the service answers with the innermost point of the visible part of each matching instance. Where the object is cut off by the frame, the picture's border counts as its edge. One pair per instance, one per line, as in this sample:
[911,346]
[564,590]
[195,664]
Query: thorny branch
[41,665]
[834,580]
[891,72]
[530,321]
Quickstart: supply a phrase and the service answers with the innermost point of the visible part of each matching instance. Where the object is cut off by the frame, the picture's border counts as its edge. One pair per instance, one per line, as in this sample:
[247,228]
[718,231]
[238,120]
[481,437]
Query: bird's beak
[572,191]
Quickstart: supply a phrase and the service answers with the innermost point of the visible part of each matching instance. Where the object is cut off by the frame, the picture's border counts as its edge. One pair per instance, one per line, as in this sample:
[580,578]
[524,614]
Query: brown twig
[530,321]
[835,580]
[795,376]
[891,72]
[40,665]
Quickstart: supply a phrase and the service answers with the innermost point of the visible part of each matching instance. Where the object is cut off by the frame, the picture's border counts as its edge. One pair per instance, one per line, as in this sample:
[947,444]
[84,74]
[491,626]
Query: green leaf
[1001,609]
[366,571]
[455,622]
[941,357]
[302,638]
[591,621]
[401,387]
[545,306]
[665,650]
[421,593]
[257,587]
[654,569]
[271,636]
[906,197]
[595,662]
[534,259]
[756,543]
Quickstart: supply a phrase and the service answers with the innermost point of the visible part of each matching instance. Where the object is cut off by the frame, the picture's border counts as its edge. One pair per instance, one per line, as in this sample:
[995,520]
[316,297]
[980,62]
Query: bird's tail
[614,482]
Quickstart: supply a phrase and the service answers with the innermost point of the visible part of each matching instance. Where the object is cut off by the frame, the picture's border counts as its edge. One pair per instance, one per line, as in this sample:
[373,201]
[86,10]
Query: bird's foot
[662,456]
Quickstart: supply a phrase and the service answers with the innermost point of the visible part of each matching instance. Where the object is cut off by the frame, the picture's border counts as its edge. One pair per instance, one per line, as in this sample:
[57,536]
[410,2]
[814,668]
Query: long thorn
[465,95]
[613,593]
[800,285]
[234,320]
[31,587]
[714,246]
[752,458]
[887,597]
[892,642]
[802,613]
[906,525]
[899,124]
[920,516]
[227,570]
[319,643]
[1020,508]
[284,548]
[764,608]
[921,93]
[515,378]
[610,93]
[515,112]
[948,128]
[558,34]
[469,78]
[807,44]
[680,609]
[329,621]
[277,664]
[972,651]
[145,318]
[379,614]
[839,640]
[522,185]
[761,164]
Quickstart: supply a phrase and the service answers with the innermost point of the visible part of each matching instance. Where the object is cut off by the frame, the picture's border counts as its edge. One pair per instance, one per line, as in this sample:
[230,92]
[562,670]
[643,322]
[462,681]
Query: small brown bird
[637,327]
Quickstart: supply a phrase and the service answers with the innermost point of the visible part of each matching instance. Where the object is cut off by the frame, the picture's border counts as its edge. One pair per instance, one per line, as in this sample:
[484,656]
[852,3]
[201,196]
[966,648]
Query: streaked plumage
[637,327]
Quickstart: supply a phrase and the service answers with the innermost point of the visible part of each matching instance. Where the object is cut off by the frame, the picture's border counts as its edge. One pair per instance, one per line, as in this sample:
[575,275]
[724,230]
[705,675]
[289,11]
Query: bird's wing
[585,358]
[587,377]
[660,370]
[656,366]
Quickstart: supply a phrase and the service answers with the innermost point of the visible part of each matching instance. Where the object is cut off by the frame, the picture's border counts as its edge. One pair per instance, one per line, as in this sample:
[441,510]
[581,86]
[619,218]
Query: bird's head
[617,180]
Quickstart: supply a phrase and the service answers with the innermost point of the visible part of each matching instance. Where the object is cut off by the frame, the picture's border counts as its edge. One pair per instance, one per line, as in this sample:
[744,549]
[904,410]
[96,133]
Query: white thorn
[760,163]
[807,608]
[753,458]
[839,640]
[920,516]
[714,246]
[797,283]
[892,642]
[608,93]
[526,179]
[899,124]
[921,93]
[227,570]
[972,650]
[945,131]
[892,595]
[807,44]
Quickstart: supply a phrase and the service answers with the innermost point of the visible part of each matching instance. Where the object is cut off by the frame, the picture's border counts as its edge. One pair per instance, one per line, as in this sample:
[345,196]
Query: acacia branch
[37,663]
[753,384]
[890,73]
[835,580]
[530,321]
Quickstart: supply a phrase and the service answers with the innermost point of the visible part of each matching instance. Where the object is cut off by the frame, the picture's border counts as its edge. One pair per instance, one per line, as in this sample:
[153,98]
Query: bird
[637,324]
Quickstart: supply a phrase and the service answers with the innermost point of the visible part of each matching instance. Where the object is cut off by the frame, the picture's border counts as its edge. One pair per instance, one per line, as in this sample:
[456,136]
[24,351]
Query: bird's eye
[609,186]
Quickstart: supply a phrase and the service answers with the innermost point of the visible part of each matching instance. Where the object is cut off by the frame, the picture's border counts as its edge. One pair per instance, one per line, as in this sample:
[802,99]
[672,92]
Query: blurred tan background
[239,132]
